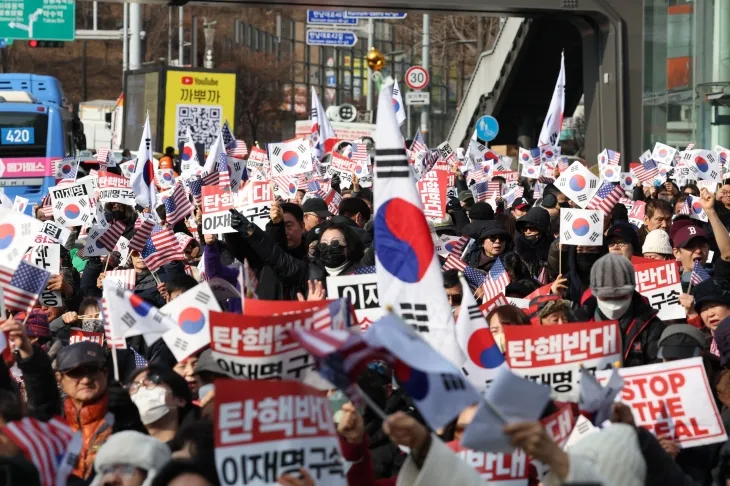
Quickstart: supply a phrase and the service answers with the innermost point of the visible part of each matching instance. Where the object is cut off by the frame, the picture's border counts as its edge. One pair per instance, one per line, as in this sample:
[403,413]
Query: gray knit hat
[612,276]
[133,448]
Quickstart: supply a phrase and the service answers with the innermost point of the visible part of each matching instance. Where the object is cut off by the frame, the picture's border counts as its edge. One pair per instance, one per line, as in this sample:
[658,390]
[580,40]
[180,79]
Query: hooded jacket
[534,252]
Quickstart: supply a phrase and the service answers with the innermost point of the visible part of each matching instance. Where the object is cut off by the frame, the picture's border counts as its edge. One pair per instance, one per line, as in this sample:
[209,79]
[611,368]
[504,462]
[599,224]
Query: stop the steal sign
[672,400]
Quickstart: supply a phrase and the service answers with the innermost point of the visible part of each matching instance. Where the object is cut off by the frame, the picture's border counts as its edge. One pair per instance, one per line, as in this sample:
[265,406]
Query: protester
[657,245]
[503,315]
[622,239]
[657,215]
[494,240]
[129,458]
[533,239]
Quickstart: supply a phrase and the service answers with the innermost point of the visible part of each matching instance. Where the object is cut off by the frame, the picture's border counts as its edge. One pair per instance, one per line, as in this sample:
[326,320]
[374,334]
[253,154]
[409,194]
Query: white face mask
[614,309]
[151,403]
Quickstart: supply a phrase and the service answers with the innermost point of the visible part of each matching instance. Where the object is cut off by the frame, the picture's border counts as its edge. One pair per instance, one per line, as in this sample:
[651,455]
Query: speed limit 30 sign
[417,77]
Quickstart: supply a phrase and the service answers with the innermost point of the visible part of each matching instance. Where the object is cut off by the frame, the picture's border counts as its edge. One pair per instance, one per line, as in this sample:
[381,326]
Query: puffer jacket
[95,423]
[640,329]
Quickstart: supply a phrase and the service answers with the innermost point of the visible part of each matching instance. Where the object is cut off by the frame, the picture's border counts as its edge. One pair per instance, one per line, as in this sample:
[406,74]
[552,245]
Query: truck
[96,115]
[37,127]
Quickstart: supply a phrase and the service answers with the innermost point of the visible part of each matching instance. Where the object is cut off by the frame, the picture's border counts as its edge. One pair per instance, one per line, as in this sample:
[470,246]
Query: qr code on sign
[204,123]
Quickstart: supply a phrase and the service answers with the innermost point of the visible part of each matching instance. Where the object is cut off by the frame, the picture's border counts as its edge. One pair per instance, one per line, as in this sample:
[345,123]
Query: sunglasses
[332,244]
[497,238]
[455,299]
[83,371]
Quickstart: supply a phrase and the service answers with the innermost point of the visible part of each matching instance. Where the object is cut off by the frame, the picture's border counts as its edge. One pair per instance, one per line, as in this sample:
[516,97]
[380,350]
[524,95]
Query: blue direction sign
[375,15]
[337,38]
[329,17]
[487,128]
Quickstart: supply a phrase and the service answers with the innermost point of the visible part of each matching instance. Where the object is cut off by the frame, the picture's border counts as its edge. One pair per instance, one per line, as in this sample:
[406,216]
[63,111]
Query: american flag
[535,153]
[360,152]
[118,343]
[516,192]
[161,248]
[283,182]
[195,184]
[537,190]
[234,148]
[102,156]
[699,274]
[313,186]
[484,190]
[563,164]
[685,209]
[615,157]
[474,277]
[418,144]
[127,277]
[139,361]
[177,206]
[606,197]
[44,443]
[302,181]
[112,234]
[495,282]
[458,246]
[365,270]
[22,287]
[646,172]
[453,262]
[139,240]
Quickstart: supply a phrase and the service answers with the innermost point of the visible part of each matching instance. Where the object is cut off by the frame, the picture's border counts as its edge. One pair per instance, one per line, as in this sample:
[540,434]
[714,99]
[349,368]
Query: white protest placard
[258,161]
[362,290]
[17,232]
[114,188]
[254,201]
[72,204]
[52,232]
[581,227]
[495,468]
[553,355]
[659,282]
[672,399]
[217,205]
[47,257]
[273,429]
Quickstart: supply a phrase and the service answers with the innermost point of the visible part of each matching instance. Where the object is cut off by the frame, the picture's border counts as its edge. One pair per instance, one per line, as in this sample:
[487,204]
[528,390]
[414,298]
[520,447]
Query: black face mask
[332,257]
[532,239]
[116,215]
[108,215]
[585,261]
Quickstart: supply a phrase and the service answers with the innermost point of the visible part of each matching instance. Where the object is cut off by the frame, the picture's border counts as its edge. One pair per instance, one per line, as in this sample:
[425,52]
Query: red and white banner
[273,429]
[672,399]
[493,303]
[217,205]
[432,189]
[636,213]
[659,282]
[254,201]
[509,175]
[497,469]
[560,424]
[114,188]
[553,355]
[78,335]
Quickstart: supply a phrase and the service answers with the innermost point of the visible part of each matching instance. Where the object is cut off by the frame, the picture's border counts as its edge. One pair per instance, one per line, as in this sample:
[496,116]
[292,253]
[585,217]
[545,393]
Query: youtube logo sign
[187,80]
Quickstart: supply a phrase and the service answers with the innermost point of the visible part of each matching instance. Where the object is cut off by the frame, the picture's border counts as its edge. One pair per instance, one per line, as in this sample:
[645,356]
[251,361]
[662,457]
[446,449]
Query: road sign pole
[371,38]
[135,43]
[425,54]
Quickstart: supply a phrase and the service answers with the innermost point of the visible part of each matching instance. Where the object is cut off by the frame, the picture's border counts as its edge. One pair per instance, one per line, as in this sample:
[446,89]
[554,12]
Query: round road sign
[417,77]
[487,128]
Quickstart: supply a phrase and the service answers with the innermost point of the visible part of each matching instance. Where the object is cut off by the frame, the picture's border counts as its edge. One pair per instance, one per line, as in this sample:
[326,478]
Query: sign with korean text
[52,232]
[47,257]
[496,469]
[346,168]
[273,429]
[659,282]
[72,203]
[255,347]
[113,188]
[362,290]
[79,335]
[329,17]
[201,100]
[432,189]
[38,19]
[636,213]
[258,160]
[552,355]
[254,201]
[217,205]
[672,399]
[334,38]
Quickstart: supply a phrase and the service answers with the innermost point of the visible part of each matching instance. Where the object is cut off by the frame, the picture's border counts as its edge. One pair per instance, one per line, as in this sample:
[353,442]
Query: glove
[239,222]
[335,179]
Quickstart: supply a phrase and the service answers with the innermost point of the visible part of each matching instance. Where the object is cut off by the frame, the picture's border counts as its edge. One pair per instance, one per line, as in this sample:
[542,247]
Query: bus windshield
[23,134]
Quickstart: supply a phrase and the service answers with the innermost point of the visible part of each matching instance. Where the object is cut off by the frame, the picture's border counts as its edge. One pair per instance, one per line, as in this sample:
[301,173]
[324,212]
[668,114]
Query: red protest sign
[637,211]
[553,354]
[216,199]
[495,468]
[432,189]
[495,302]
[560,424]
[659,282]
[509,175]
[78,335]
[272,429]
[672,399]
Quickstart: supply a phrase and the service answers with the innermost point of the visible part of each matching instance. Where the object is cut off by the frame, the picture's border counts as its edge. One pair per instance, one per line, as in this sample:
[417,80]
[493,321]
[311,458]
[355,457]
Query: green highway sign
[38,19]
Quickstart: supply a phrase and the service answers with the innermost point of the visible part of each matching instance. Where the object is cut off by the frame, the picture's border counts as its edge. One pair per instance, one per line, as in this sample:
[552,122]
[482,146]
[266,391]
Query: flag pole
[157,279]
[370,403]
[107,263]
[116,364]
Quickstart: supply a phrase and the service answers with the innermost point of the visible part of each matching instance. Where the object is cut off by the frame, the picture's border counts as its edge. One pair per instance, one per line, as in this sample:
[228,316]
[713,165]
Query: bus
[37,127]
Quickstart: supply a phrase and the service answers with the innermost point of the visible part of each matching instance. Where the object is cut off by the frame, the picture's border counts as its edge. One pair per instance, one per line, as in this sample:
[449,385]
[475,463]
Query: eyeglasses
[83,371]
[150,381]
[497,238]
[332,244]
[455,299]
[124,470]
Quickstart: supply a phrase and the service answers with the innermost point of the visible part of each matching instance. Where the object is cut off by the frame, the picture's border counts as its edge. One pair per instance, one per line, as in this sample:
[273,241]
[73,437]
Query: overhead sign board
[335,38]
[376,15]
[38,19]
[417,77]
[418,98]
[329,17]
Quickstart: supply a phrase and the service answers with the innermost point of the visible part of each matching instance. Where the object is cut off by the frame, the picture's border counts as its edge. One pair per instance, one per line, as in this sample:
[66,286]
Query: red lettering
[674,405]
[662,429]
[676,380]
[681,431]
[696,428]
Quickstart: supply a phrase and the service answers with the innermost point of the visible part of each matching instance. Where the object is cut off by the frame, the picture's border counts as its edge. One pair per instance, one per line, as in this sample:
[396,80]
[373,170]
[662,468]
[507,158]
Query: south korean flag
[578,183]
[581,227]
[191,313]
[663,154]
[628,181]
[611,173]
[704,164]
[408,271]
[72,211]
[94,246]
[289,158]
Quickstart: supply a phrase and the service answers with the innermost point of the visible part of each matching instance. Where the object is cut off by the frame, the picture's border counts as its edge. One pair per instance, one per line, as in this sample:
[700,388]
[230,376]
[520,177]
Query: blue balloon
[487,128]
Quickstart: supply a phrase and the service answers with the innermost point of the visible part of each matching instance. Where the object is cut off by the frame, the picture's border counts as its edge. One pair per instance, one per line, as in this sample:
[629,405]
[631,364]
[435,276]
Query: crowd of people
[154,425]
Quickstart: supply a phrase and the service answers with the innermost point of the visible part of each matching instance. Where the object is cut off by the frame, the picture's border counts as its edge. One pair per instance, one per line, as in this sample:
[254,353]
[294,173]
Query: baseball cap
[683,231]
[465,196]
[520,204]
[317,206]
[84,353]
[680,341]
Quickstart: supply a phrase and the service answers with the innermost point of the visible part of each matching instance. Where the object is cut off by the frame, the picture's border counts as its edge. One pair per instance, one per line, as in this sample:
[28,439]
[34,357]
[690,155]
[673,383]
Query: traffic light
[44,43]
